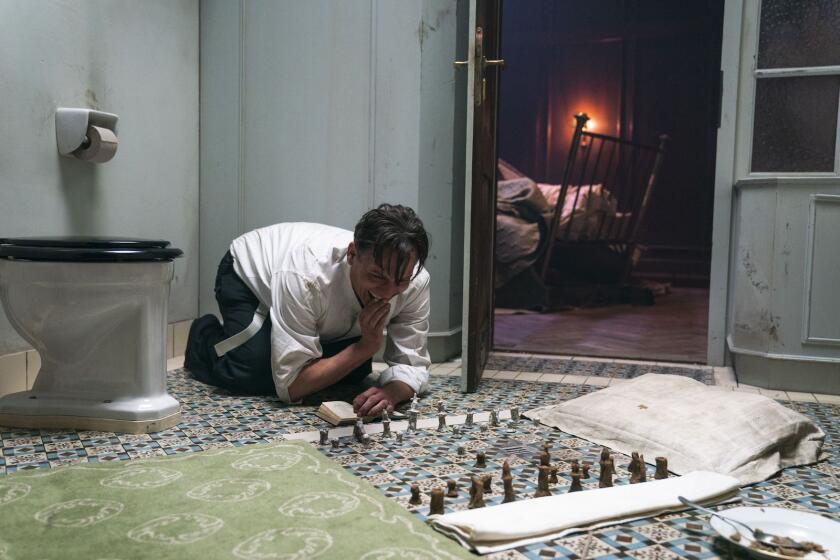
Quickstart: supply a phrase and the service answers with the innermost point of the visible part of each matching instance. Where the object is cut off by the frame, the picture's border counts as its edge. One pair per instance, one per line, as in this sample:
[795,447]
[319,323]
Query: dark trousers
[246,368]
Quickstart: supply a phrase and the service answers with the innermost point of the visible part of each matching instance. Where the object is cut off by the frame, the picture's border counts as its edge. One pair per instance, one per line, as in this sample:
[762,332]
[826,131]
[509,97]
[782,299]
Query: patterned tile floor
[213,418]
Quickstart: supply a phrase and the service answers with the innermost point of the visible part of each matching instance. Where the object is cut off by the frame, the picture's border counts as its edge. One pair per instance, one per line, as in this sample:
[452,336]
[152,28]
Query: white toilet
[95,310]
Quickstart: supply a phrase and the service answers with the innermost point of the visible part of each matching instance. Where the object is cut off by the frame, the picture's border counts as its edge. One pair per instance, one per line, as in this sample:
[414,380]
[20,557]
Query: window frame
[750,75]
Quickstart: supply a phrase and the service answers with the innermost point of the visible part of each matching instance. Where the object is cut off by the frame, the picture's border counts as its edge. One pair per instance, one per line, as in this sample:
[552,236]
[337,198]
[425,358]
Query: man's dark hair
[392,229]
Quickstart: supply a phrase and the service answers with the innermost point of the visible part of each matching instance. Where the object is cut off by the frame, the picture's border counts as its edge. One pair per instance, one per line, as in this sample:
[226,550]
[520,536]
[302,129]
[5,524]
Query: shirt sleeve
[406,346]
[295,309]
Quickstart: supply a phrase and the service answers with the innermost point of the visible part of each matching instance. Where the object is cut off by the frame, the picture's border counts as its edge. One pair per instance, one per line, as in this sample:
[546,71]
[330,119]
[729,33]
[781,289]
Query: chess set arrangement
[481,484]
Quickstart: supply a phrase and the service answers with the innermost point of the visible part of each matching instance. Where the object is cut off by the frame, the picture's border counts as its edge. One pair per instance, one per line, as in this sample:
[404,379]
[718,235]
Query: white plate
[798,525]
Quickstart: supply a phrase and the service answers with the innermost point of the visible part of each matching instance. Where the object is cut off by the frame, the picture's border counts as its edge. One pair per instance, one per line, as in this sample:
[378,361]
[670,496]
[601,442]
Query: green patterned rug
[281,501]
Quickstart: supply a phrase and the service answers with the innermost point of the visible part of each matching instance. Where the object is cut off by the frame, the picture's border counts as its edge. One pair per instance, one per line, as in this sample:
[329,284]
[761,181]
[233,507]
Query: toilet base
[35,421]
[30,409]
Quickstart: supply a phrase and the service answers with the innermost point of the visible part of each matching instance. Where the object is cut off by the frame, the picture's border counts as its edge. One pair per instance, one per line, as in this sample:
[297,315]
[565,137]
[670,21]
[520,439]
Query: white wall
[320,110]
[136,59]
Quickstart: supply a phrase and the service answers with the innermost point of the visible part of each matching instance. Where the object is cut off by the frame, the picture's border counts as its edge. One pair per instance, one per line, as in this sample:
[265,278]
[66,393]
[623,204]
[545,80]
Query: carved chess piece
[399,437]
[484,427]
[575,466]
[536,422]
[545,459]
[334,442]
[542,482]
[436,502]
[510,496]
[480,460]
[576,485]
[661,468]
[585,469]
[324,437]
[358,430]
[505,469]
[386,428]
[514,413]
[605,454]
[441,407]
[553,478]
[607,472]
[487,480]
[456,430]
[476,493]
[642,468]
[633,467]
[470,420]
[494,418]
[462,450]
[365,439]
[414,402]
[451,489]
[441,421]
[415,496]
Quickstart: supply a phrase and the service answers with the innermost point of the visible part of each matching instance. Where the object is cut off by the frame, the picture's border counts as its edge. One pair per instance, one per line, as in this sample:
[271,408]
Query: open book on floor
[339,413]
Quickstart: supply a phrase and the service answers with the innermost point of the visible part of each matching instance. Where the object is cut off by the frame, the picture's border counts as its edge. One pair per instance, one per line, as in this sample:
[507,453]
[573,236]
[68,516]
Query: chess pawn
[514,413]
[334,443]
[494,418]
[536,422]
[505,469]
[487,480]
[462,450]
[642,469]
[585,469]
[436,502]
[365,439]
[553,478]
[359,430]
[485,427]
[542,482]
[456,430]
[386,428]
[509,494]
[412,420]
[576,485]
[661,468]
[441,421]
[575,465]
[451,489]
[415,496]
[470,421]
[399,437]
[480,460]
[476,493]
[607,471]
[324,437]
[636,469]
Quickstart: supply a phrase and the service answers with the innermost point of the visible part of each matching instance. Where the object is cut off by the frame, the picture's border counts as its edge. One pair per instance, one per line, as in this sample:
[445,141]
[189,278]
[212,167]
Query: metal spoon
[756,535]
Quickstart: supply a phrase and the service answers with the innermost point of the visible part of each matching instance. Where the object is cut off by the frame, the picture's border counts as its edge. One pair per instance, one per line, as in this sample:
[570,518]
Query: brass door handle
[500,62]
[460,64]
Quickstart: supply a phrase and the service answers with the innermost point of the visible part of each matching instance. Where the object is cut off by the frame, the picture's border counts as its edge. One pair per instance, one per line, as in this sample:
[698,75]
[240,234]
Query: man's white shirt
[300,272]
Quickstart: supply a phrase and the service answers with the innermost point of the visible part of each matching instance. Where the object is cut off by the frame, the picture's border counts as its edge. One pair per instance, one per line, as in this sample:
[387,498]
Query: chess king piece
[436,502]
[324,437]
[470,421]
[412,420]
[451,488]
[415,496]
[661,468]
[576,485]
[607,472]
[476,493]
[480,460]
[487,480]
[441,421]
[514,413]
[585,469]
[542,482]
[553,478]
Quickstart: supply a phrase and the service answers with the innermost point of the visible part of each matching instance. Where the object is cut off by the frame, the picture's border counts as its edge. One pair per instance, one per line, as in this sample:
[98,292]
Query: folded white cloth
[696,427]
[514,524]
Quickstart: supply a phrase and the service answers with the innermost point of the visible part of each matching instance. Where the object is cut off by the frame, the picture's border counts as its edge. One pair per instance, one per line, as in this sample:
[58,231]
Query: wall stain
[92,101]
[752,272]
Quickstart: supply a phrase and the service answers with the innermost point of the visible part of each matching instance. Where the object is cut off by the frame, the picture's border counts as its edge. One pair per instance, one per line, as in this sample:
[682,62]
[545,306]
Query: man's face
[372,282]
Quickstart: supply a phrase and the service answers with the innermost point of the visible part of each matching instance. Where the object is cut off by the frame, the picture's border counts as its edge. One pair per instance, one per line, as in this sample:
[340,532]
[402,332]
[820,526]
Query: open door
[482,67]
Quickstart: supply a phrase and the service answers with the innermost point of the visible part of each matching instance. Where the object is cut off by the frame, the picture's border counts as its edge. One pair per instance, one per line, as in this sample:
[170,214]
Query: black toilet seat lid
[87,249]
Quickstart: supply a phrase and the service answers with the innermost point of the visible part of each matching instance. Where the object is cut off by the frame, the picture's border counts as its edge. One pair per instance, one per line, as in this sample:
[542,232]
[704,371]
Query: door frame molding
[726,159]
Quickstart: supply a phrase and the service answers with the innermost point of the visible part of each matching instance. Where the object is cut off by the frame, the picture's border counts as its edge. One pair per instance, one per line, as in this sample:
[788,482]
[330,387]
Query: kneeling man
[304,306]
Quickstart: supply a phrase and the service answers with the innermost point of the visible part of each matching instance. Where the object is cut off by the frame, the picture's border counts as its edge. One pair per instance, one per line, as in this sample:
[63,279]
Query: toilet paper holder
[71,126]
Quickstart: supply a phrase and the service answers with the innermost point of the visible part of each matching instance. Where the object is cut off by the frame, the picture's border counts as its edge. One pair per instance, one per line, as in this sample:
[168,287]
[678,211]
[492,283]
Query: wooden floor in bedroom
[673,329]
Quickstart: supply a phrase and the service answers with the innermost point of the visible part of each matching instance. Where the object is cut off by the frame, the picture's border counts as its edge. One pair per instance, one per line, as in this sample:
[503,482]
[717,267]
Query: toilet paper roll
[101,147]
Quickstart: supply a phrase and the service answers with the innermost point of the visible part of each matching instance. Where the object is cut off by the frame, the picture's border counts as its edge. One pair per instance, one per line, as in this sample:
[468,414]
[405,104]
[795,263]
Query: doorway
[636,70]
